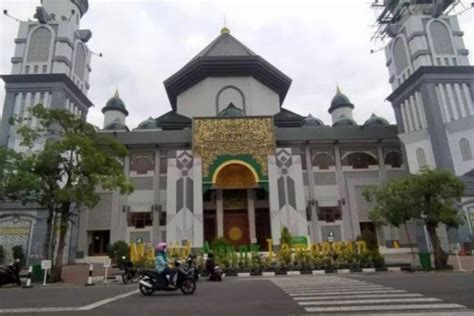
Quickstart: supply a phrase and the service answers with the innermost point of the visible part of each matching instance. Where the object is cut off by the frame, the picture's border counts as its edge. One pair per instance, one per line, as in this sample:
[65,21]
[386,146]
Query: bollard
[28,279]
[89,279]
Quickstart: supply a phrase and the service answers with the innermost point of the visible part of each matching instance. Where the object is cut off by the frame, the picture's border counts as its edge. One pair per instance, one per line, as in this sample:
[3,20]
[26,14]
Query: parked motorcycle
[11,274]
[192,266]
[216,274]
[153,281]
[131,274]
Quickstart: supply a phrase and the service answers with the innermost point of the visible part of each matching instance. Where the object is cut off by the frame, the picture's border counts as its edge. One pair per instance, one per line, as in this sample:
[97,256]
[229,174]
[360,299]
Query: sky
[319,44]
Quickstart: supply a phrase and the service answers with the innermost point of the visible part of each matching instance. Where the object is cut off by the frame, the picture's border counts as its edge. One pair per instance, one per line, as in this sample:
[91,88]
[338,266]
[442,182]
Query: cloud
[317,43]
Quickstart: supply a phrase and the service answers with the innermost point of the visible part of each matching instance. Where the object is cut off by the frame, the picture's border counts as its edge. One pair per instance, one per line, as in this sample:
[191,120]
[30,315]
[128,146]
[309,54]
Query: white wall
[460,166]
[111,116]
[411,147]
[201,99]
[338,113]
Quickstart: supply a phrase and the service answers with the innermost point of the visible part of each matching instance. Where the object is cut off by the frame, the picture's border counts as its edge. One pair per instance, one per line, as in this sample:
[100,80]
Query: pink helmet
[161,246]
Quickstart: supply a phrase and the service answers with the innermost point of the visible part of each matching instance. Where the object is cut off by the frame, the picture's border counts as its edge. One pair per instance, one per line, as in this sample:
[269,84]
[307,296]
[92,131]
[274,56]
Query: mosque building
[229,159]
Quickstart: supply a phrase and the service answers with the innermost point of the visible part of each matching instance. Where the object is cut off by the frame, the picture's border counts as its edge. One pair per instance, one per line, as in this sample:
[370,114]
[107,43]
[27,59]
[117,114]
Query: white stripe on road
[347,293]
[376,301]
[345,297]
[382,308]
[37,310]
[107,301]
[340,288]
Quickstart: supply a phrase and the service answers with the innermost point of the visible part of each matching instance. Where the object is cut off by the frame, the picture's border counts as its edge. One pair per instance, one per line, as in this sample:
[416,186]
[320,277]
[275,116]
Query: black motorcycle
[11,274]
[153,281]
[192,266]
[131,274]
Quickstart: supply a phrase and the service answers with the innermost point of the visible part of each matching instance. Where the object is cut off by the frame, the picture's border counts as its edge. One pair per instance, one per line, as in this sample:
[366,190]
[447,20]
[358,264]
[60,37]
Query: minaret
[432,82]
[51,64]
[114,111]
[341,107]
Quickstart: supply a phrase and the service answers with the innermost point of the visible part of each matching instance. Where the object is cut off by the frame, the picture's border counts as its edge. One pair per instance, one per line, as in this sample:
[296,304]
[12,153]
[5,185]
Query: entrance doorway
[100,240]
[210,225]
[262,227]
[236,227]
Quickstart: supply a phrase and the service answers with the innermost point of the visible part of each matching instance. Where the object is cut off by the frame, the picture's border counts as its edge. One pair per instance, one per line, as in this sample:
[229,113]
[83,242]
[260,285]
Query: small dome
[115,104]
[149,123]
[116,125]
[375,120]
[311,121]
[340,101]
[344,121]
[231,111]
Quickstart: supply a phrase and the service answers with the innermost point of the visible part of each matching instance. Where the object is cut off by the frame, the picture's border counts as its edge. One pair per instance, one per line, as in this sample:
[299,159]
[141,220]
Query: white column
[452,102]
[251,215]
[220,214]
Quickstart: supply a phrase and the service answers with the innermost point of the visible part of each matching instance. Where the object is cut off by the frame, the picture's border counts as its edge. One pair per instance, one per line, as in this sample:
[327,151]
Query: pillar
[251,215]
[220,214]
[156,234]
[311,190]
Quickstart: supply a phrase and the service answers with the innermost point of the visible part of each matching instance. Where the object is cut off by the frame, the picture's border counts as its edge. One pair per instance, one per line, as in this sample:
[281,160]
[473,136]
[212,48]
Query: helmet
[161,246]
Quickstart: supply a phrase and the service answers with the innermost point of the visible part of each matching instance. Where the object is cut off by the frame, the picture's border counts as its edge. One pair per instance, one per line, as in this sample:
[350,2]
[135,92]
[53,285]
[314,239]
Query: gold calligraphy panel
[214,137]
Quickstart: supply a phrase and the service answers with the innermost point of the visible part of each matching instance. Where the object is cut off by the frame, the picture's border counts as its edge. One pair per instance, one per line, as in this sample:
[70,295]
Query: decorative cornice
[463,52]
[20,40]
[63,59]
[458,33]
[415,34]
[17,60]
[65,40]
[419,53]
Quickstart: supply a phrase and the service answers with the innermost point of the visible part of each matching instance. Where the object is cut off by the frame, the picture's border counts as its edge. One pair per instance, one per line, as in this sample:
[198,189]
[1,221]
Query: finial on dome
[338,90]
[116,95]
[225,29]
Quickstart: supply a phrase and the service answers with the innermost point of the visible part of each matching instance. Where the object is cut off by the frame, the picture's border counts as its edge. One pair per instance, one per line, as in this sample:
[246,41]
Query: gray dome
[149,123]
[375,120]
[115,104]
[231,111]
[311,121]
[345,121]
[340,101]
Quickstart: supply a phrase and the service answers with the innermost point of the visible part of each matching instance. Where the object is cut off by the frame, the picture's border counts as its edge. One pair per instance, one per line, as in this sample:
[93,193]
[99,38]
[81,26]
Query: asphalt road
[294,295]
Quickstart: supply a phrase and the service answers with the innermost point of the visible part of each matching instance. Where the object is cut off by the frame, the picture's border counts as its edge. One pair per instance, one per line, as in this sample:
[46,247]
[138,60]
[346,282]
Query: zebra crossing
[335,294]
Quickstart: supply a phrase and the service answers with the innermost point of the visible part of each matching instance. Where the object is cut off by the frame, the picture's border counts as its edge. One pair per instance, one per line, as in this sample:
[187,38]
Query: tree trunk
[63,228]
[47,253]
[440,257]
[409,241]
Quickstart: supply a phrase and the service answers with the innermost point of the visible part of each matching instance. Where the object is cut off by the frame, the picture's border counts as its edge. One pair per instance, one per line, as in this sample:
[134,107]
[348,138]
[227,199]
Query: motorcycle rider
[161,263]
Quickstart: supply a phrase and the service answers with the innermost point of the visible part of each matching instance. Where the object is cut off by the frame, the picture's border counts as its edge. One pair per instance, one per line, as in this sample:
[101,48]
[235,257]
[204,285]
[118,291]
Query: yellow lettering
[349,246]
[361,246]
[326,247]
[270,247]
[337,246]
[314,248]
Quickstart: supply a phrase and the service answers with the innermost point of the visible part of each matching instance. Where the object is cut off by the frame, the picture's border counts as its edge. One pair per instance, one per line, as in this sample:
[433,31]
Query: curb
[315,272]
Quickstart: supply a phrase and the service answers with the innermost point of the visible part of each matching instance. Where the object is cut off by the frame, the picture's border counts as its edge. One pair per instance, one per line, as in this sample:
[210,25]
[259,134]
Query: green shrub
[284,258]
[219,243]
[256,263]
[118,250]
[285,236]
[19,253]
[2,255]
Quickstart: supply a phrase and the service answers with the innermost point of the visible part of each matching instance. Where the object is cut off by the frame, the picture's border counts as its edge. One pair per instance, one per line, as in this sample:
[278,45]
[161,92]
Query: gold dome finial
[225,29]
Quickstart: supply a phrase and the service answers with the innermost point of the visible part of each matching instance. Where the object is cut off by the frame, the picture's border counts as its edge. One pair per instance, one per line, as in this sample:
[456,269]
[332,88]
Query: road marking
[107,301]
[343,297]
[375,301]
[315,293]
[382,308]
[67,309]
[332,289]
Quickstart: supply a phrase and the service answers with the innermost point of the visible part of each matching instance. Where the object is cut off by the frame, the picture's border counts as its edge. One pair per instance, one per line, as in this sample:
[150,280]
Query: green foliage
[429,196]
[219,243]
[118,250]
[73,161]
[256,263]
[19,254]
[285,236]
[370,238]
[2,255]
[284,258]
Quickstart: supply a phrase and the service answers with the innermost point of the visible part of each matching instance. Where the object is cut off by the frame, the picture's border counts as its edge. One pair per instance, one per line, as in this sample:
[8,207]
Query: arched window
[394,159]
[400,55]
[322,161]
[40,46]
[359,160]
[465,147]
[421,158]
[80,61]
[442,44]
[230,94]
[141,163]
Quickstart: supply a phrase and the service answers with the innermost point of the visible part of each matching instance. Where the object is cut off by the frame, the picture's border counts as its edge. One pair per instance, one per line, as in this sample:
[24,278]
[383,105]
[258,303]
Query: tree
[72,161]
[285,236]
[429,196]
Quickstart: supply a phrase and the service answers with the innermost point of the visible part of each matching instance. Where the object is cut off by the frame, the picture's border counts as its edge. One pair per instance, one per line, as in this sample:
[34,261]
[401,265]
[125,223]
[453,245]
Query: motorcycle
[153,281]
[216,274]
[193,267]
[130,274]
[11,274]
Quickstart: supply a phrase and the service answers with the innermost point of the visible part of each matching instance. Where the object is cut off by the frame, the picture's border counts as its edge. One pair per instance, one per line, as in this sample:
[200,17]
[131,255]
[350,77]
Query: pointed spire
[116,95]
[225,29]
[338,90]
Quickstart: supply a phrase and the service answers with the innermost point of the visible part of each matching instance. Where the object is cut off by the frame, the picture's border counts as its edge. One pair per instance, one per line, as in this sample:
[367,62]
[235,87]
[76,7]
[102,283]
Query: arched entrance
[233,191]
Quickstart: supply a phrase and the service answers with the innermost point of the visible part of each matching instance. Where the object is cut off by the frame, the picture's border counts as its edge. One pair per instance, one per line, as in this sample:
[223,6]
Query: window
[162,218]
[298,151]
[140,219]
[163,164]
[40,45]
[329,214]
[394,159]
[441,39]
[421,157]
[359,160]
[80,61]
[400,56]
[321,160]
[465,147]
[141,163]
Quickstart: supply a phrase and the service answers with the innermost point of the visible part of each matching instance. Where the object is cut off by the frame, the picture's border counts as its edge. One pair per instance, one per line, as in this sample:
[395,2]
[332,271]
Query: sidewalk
[78,273]
[467,262]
